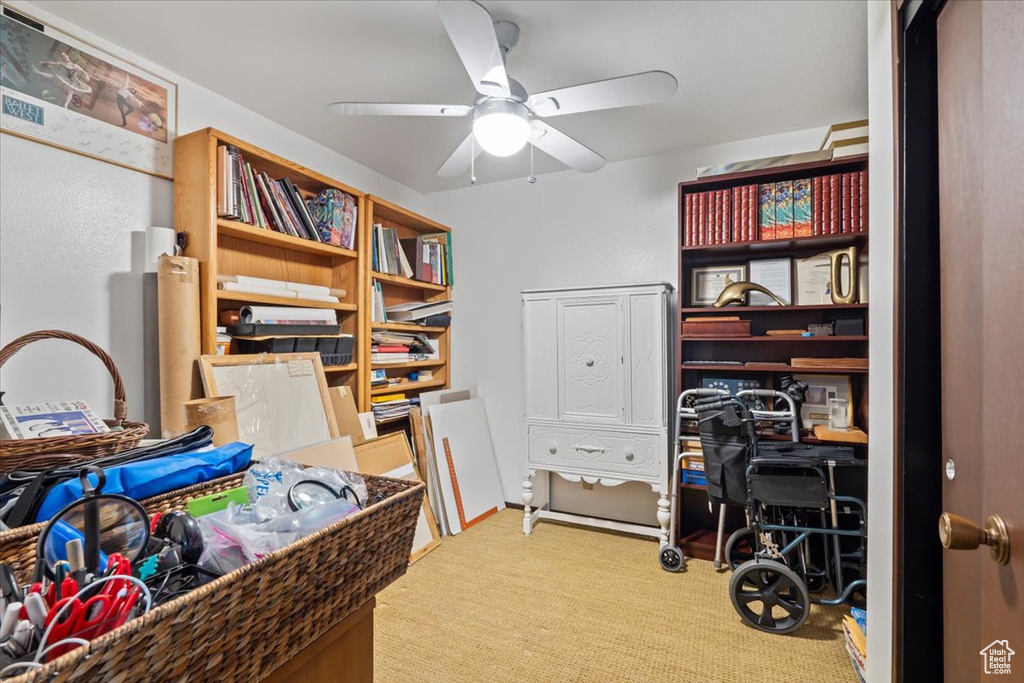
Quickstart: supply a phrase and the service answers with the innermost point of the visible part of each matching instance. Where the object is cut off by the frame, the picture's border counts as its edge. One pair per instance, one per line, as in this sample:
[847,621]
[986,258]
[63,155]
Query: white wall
[568,229]
[67,229]
[882,347]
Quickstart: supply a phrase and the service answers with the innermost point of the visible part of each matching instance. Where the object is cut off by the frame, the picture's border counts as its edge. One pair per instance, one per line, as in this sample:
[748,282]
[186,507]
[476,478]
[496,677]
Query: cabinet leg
[527,499]
[664,516]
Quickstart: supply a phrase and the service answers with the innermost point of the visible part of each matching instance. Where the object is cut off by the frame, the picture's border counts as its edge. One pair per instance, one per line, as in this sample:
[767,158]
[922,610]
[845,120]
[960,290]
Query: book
[58,418]
[687,220]
[736,201]
[862,183]
[766,212]
[849,148]
[816,206]
[845,214]
[701,225]
[726,216]
[784,210]
[802,211]
[834,204]
[417,310]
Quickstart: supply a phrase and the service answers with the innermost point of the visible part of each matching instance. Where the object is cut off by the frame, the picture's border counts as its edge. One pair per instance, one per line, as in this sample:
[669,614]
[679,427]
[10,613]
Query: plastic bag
[238,535]
[270,480]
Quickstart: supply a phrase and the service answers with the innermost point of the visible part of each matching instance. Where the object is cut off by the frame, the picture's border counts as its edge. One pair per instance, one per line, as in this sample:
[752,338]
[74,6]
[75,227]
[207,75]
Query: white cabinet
[598,384]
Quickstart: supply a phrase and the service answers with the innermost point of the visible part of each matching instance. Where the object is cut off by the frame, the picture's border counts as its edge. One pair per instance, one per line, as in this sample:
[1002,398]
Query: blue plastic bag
[152,477]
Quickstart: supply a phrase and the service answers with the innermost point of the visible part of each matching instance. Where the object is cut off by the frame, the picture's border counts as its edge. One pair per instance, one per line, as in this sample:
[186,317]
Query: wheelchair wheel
[740,547]
[769,596]
[671,558]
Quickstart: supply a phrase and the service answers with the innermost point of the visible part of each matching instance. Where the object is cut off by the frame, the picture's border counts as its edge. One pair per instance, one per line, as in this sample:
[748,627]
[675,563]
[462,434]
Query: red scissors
[117,565]
[78,620]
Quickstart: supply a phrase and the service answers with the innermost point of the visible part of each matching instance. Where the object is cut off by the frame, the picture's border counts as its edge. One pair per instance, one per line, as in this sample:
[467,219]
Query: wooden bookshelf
[230,247]
[772,353]
[400,290]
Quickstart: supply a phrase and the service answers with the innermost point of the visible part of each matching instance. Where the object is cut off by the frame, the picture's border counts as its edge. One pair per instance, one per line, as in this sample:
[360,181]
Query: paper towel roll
[159,241]
[178,303]
[218,412]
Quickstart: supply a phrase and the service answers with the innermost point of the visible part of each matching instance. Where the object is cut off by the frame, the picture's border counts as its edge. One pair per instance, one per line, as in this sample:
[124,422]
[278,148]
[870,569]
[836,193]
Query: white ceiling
[745,69]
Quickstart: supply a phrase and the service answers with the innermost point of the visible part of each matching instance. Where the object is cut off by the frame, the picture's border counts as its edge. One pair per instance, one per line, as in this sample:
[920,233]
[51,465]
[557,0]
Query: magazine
[61,418]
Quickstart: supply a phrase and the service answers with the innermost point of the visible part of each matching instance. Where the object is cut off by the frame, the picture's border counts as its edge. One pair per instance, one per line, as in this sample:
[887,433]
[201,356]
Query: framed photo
[775,275]
[821,388]
[708,282]
[64,92]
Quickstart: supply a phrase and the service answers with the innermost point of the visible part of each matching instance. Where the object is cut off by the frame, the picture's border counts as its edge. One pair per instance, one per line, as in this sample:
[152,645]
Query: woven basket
[60,451]
[246,624]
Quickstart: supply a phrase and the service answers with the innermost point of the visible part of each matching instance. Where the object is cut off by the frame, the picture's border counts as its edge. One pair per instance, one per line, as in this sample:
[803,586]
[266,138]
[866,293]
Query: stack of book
[846,139]
[720,216]
[427,258]
[840,203]
[391,407]
[252,197]
[398,347]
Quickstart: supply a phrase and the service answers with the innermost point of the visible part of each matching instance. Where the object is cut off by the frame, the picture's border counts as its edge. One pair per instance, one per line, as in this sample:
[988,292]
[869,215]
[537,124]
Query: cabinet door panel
[541,352]
[646,370]
[591,356]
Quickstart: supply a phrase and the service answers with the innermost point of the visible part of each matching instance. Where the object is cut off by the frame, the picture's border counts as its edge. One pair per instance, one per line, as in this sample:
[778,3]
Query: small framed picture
[707,283]
[821,389]
[775,275]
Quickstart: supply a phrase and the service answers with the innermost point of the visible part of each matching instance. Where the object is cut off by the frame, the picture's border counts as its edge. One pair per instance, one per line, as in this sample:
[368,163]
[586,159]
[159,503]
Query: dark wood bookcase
[696,524]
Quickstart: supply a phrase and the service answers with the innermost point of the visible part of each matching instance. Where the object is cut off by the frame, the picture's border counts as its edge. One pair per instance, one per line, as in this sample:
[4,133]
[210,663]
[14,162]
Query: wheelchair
[795,550]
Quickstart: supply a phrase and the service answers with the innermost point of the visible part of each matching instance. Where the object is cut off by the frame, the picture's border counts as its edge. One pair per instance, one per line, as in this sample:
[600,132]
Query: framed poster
[708,282]
[64,92]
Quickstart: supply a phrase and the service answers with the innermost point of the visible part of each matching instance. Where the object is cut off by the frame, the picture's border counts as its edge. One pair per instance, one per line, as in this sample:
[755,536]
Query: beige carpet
[573,604]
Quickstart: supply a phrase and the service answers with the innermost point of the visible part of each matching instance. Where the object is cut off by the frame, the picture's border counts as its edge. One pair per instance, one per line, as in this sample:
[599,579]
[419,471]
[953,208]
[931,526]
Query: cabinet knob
[552,447]
[590,362]
[629,454]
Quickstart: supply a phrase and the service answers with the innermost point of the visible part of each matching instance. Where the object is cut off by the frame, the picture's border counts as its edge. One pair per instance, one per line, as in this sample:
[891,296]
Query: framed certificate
[775,275]
[708,282]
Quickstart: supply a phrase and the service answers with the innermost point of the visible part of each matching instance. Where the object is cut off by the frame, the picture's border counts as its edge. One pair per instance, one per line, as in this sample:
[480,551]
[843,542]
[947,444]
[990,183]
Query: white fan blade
[562,147]
[392,109]
[625,91]
[471,30]
[460,159]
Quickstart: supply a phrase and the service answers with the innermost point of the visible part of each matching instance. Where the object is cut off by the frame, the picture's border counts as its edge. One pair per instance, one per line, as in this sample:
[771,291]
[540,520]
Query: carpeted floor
[573,604]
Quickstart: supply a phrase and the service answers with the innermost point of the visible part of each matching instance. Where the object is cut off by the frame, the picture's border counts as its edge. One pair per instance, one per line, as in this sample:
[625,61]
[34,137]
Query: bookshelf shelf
[407,327]
[756,249]
[268,236]
[351,367]
[407,386]
[777,338]
[407,282]
[729,310]
[245,297]
[410,364]
[770,356]
[779,367]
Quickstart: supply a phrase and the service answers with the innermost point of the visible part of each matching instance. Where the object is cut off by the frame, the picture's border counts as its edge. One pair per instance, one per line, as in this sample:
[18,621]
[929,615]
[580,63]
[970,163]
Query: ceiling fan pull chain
[472,159]
[532,178]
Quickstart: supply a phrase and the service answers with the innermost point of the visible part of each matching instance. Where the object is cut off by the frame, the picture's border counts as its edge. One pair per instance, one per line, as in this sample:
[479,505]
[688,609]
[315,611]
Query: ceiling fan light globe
[502,128]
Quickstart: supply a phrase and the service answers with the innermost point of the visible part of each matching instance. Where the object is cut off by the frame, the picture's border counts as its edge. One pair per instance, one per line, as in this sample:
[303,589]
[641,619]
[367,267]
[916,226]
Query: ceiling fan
[505,116]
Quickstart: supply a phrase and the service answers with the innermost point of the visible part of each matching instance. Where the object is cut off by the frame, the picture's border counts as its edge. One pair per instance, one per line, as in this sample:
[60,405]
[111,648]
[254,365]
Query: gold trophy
[835,280]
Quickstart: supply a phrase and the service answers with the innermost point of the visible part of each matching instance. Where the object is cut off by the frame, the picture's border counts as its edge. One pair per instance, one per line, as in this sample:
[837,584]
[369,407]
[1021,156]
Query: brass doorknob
[960,533]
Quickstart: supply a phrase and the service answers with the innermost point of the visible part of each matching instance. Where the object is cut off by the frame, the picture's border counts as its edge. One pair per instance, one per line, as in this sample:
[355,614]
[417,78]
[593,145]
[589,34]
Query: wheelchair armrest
[785,461]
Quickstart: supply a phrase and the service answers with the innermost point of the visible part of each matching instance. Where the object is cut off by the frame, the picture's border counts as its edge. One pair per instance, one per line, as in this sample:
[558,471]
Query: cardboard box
[346,414]
[336,453]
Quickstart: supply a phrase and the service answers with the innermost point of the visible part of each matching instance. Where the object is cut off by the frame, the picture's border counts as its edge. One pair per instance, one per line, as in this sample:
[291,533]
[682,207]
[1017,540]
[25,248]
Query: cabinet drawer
[593,450]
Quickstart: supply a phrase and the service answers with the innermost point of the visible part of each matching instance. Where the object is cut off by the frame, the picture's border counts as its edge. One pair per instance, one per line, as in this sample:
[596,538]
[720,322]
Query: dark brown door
[981,210]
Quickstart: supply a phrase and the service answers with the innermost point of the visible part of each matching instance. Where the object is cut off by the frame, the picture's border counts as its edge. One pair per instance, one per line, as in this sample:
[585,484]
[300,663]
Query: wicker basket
[246,624]
[59,451]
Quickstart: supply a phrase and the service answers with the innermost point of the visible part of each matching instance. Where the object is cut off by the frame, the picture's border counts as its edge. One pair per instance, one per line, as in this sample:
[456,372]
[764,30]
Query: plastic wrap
[281,401]
[218,413]
[240,534]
